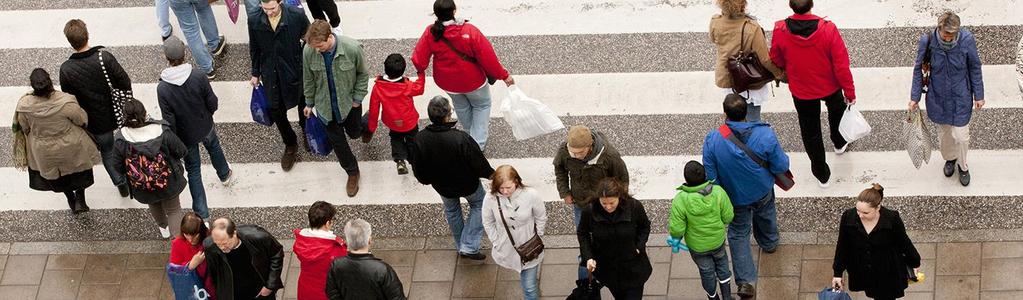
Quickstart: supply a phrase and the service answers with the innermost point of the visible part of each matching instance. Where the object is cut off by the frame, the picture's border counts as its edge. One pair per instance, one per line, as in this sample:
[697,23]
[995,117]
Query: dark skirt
[66,183]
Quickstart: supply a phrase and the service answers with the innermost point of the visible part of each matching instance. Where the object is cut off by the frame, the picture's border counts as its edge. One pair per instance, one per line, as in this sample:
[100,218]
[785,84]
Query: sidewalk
[977,270]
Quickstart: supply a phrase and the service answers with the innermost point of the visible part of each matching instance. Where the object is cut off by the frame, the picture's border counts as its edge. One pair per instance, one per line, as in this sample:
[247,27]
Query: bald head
[224,234]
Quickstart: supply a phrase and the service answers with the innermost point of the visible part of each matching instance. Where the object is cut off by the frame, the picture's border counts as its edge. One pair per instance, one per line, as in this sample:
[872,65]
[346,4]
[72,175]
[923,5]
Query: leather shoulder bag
[745,68]
[529,250]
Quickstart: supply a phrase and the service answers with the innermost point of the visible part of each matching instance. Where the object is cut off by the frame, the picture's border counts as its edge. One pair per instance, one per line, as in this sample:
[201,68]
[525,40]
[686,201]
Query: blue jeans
[473,111]
[713,266]
[762,217]
[577,215]
[528,280]
[252,9]
[105,142]
[195,17]
[467,238]
[163,17]
[752,112]
[193,165]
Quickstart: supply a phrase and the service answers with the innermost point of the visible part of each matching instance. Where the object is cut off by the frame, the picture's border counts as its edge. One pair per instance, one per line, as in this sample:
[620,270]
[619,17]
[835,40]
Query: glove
[676,245]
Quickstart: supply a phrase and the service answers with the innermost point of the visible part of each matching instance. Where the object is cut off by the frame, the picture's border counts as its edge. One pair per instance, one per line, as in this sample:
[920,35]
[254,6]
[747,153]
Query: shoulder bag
[529,250]
[490,79]
[784,181]
[117,96]
[745,68]
[925,66]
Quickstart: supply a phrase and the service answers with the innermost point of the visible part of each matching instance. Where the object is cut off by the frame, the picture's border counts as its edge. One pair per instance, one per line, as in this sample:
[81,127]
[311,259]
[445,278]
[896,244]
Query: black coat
[450,160]
[267,258]
[276,56]
[188,108]
[876,262]
[81,75]
[362,276]
[613,240]
[173,151]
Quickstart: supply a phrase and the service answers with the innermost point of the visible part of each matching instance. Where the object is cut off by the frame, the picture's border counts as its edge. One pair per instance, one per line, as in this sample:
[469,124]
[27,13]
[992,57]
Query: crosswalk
[641,71]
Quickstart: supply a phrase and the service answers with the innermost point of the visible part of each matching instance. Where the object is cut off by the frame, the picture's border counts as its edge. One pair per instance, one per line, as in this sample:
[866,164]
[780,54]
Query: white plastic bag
[853,126]
[528,117]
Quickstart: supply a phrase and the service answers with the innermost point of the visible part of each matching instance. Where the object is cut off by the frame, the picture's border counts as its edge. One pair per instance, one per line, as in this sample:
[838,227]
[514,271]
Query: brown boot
[353,185]
[367,136]
[289,158]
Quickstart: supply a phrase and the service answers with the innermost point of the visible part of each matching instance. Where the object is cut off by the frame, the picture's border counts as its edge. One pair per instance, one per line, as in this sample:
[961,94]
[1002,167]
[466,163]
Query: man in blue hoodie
[750,186]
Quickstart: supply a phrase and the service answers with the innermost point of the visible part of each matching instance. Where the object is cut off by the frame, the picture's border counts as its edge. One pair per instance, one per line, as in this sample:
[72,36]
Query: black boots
[123,189]
[76,201]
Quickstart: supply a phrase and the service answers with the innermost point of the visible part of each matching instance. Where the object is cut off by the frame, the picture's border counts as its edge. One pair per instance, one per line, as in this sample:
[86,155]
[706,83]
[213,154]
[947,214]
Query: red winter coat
[396,98]
[316,254]
[451,72]
[182,253]
[817,65]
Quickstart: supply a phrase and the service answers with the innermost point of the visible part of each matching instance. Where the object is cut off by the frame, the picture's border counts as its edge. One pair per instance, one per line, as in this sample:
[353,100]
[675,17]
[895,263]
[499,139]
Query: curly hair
[732,8]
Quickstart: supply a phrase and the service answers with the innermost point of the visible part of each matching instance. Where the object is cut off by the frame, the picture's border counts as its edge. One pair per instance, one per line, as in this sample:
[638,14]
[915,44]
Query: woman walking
[612,240]
[187,248]
[512,208]
[58,150]
[733,31]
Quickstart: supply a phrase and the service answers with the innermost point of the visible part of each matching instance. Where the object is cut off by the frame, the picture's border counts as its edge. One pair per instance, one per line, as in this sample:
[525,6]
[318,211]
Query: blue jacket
[956,79]
[727,165]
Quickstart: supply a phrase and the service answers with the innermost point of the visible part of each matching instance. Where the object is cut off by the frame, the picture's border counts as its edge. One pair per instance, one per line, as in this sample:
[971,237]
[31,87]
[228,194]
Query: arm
[374,110]
[764,52]
[276,252]
[361,87]
[392,286]
[727,211]
[308,83]
[778,160]
[210,99]
[642,227]
[255,52]
[175,147]
[776,53]
[333,288]
[561,173]
[539,213]
[840,66]
[584,234]
[422,54]
[75,113]
[490,223]
[419,87]
[619,170]
[709,165]
[976,76]
[484,53]
[166,111]
[839,265]
[677,217]
[906,248]
[118,77]
[474,156]
[916,90]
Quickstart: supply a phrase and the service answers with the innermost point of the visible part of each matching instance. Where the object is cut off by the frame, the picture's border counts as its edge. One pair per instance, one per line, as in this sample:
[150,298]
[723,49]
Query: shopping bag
[260,107]
[186,283]
[232,10]
[918,140]
[528,117]
[853,126]
[316,135]
[586,289]
[832,294]
[295,3]
[20,145]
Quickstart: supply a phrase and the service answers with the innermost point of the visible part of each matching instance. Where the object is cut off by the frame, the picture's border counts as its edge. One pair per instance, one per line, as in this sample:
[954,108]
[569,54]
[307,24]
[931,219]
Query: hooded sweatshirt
[56,142]
[187,102]
[811,51]
[451,72]
[700,214]
[150,141]
[316,250]
[400,113]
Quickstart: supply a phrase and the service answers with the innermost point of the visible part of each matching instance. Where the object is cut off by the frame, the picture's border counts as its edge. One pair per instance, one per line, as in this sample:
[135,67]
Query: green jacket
[701,214]
[350,78]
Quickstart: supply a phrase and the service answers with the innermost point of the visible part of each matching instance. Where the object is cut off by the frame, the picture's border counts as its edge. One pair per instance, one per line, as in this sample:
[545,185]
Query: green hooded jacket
[701,214]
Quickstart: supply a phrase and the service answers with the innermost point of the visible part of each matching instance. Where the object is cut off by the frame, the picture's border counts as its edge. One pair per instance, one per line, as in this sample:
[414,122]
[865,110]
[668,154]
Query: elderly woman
[732,31]
[612,239]
[512,208]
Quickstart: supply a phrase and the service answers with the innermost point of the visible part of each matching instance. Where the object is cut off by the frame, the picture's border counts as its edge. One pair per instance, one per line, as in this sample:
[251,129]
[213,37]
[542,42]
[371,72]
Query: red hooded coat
[817,65]
[316,254]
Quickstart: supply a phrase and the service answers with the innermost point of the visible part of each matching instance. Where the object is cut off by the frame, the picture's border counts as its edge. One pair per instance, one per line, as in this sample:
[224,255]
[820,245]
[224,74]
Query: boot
[80,205]
[70,200]
[726,290]
[366,137]
[123,189]
[289,158]
[353,185]
[747,291]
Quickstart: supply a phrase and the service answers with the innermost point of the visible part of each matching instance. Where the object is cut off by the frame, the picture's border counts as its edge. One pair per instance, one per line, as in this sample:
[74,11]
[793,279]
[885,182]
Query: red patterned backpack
[144,173]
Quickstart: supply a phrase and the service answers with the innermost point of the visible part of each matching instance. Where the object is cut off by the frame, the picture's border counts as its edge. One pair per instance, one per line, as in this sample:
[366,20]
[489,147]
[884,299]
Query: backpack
[145,173]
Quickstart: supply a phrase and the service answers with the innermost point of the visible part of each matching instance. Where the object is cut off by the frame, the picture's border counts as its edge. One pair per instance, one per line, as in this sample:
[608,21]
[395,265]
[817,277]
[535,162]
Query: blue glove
[676,245]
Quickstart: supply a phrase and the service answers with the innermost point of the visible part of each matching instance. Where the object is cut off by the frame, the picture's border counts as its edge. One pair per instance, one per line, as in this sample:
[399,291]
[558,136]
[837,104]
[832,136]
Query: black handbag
[117,96]
[529,250]
[586,289]
[784,181]
[745,68]
[490,79]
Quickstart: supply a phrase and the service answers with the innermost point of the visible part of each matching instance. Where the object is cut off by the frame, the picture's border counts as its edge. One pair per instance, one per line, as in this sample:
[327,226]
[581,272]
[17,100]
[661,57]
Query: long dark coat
[613,240]
[277,56]
[877,263]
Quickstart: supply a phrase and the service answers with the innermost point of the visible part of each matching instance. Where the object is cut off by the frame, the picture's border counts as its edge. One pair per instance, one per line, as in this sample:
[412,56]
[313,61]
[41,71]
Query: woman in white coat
[525,215]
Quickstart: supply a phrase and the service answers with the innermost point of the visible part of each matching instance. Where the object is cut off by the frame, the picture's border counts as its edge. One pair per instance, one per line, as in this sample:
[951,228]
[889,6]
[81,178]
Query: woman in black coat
[874,248]
[612,240]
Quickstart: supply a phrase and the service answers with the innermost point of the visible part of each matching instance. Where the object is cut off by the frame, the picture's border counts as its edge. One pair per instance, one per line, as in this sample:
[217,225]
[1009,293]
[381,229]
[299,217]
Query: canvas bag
[918,139]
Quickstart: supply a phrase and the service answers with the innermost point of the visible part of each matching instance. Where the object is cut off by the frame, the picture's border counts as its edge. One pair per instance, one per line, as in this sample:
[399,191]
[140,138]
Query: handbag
[466,57]
[833,294]
[529,250]
[745,68]
[917,137]
[925,66]
[784,181]
[586,289]
[186,283]
[260,107]
[117,96]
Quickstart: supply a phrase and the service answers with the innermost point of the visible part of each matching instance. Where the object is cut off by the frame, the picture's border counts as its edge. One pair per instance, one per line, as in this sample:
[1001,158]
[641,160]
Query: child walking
[394,93]
[700,213]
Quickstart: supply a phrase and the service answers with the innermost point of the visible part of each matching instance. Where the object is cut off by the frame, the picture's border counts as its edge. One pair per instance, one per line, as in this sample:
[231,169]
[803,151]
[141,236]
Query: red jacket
[451,72]
[817,65]
[316,254]
[182,253]
[396,98]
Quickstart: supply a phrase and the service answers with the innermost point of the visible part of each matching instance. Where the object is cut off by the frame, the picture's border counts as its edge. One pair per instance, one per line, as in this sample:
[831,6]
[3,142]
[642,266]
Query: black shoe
[219,50]
[747,291]
[770,251]
[964,177]
[80,205]
[123,189]
[474,256]
[402,167]
[211,75]
[950,167]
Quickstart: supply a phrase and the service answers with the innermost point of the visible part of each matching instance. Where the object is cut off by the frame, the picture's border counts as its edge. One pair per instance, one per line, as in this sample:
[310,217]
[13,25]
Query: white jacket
[524,209]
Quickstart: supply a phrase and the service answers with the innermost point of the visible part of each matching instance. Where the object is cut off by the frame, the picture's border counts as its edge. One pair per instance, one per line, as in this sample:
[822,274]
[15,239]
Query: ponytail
[872,196]
[445,11]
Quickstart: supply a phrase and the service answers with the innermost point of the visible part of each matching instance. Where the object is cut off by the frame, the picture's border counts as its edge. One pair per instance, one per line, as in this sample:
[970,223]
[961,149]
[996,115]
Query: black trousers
[809,111]
[401,143]
[627,293]
[323,9]
[279,114]
[352,126]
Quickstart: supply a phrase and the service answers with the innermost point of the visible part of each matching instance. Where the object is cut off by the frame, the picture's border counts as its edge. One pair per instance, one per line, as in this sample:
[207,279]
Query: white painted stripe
[651,177]
[617,93]
[408,18]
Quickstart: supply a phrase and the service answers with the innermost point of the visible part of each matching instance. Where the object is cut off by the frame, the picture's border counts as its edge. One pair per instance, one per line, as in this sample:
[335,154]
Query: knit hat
[579,136]
[173,48]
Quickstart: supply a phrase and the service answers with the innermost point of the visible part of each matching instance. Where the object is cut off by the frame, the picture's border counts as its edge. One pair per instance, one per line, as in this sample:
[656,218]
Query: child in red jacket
[394,92]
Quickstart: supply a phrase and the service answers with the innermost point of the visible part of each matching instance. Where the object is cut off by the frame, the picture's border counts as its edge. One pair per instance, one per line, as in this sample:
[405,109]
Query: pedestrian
[360,275]
[699,213]
[195,17]
[585,158]
[393,93]
[245,261]
[451,161]
[275,48]
[612,240]
[187,104]
[326,10]
[464,65]
[335,82]
[59,151]
[84,75]
[187,250]
[955,89]
[811,51]
[733,31]
[151,156]
[514,210]
[874,249]
[750,186]
[163,18]
[316,248]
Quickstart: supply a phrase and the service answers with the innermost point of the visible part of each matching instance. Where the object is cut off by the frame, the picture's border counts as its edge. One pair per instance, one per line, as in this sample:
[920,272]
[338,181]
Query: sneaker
[402,167]
[169,34]
[964,177]
[211,75]
[746,291]
[337,30]
[840,151]
[207,223]
[230,178]
[473,256]
[950,167]
[219,50]
[123,189]
[165,232]
[824,185]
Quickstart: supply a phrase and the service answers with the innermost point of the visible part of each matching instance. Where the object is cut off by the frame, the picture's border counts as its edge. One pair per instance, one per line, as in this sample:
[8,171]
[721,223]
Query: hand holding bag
[853,126]
[316,133]
[529,250]
[745,68]
[833,294]
[260,107]
[918,140]
[586,289]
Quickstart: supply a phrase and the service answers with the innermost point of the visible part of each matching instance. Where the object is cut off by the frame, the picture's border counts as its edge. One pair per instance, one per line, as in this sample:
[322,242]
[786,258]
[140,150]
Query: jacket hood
[43,107]
[311,245]
[393,89]
[799,25]
[148,139]
[696,200]
[176,75]
[745,128]
[598,148]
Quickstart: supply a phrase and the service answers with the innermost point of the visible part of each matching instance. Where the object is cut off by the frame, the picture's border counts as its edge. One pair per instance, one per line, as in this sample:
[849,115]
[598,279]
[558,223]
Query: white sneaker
[824,185]
[207,224]
[165,232]
[337,30]
[840,151]
[229,180]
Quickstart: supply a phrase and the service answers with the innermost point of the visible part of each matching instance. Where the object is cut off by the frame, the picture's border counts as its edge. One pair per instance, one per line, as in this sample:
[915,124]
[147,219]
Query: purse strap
[104,67]
[727,133]
[461,54]
[742,37]
[501,211]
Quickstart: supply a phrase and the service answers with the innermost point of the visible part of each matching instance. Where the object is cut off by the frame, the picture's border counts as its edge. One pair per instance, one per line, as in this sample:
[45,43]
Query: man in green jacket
[335,82]
[701,212]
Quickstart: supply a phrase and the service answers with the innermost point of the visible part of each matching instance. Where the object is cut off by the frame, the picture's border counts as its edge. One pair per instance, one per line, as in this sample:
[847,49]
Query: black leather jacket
[267,259]
[362,276]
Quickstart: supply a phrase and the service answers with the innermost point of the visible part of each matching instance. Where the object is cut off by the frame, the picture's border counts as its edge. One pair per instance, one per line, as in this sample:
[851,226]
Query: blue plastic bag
[832,294]
[260,107]
[295,3]
[186,283]
[316,134]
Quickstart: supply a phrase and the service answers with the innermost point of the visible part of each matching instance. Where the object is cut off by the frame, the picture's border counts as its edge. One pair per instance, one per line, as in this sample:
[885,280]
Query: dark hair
[445,11]
[394,65]
[134,113]
[611,187]
[801,6]
[735,108]
[319,31]
[501,175]
[439,109]
[226,224]
[192,224]
[320,213]
[694,173]
[872,196]
[176,62]
[42,85]
[76,33]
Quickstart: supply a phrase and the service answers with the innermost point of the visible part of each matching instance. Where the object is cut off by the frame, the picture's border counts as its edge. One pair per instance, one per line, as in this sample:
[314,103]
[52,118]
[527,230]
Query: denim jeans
[577,215]
[762,217]
[528,280]
[752,112]
[713,266]
[467,237]
[195,17]
[193,165]
[163,17]
[252,9]
[473,110]
[105,142]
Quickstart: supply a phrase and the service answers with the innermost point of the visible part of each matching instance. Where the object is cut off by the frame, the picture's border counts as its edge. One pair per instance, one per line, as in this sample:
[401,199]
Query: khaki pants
[167,213]
[955,142]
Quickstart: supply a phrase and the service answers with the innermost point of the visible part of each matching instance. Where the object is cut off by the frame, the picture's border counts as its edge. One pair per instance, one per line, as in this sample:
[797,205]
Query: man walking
[359,275]
[245,261]
[195,17]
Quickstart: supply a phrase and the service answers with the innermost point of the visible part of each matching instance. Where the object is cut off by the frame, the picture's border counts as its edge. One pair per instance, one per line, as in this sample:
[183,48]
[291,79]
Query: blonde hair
[504,174]
[732,8]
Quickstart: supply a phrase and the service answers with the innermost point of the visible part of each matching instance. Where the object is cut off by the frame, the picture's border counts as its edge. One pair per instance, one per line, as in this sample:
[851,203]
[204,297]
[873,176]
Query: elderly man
[954,88]
[360,275]
[245,261]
